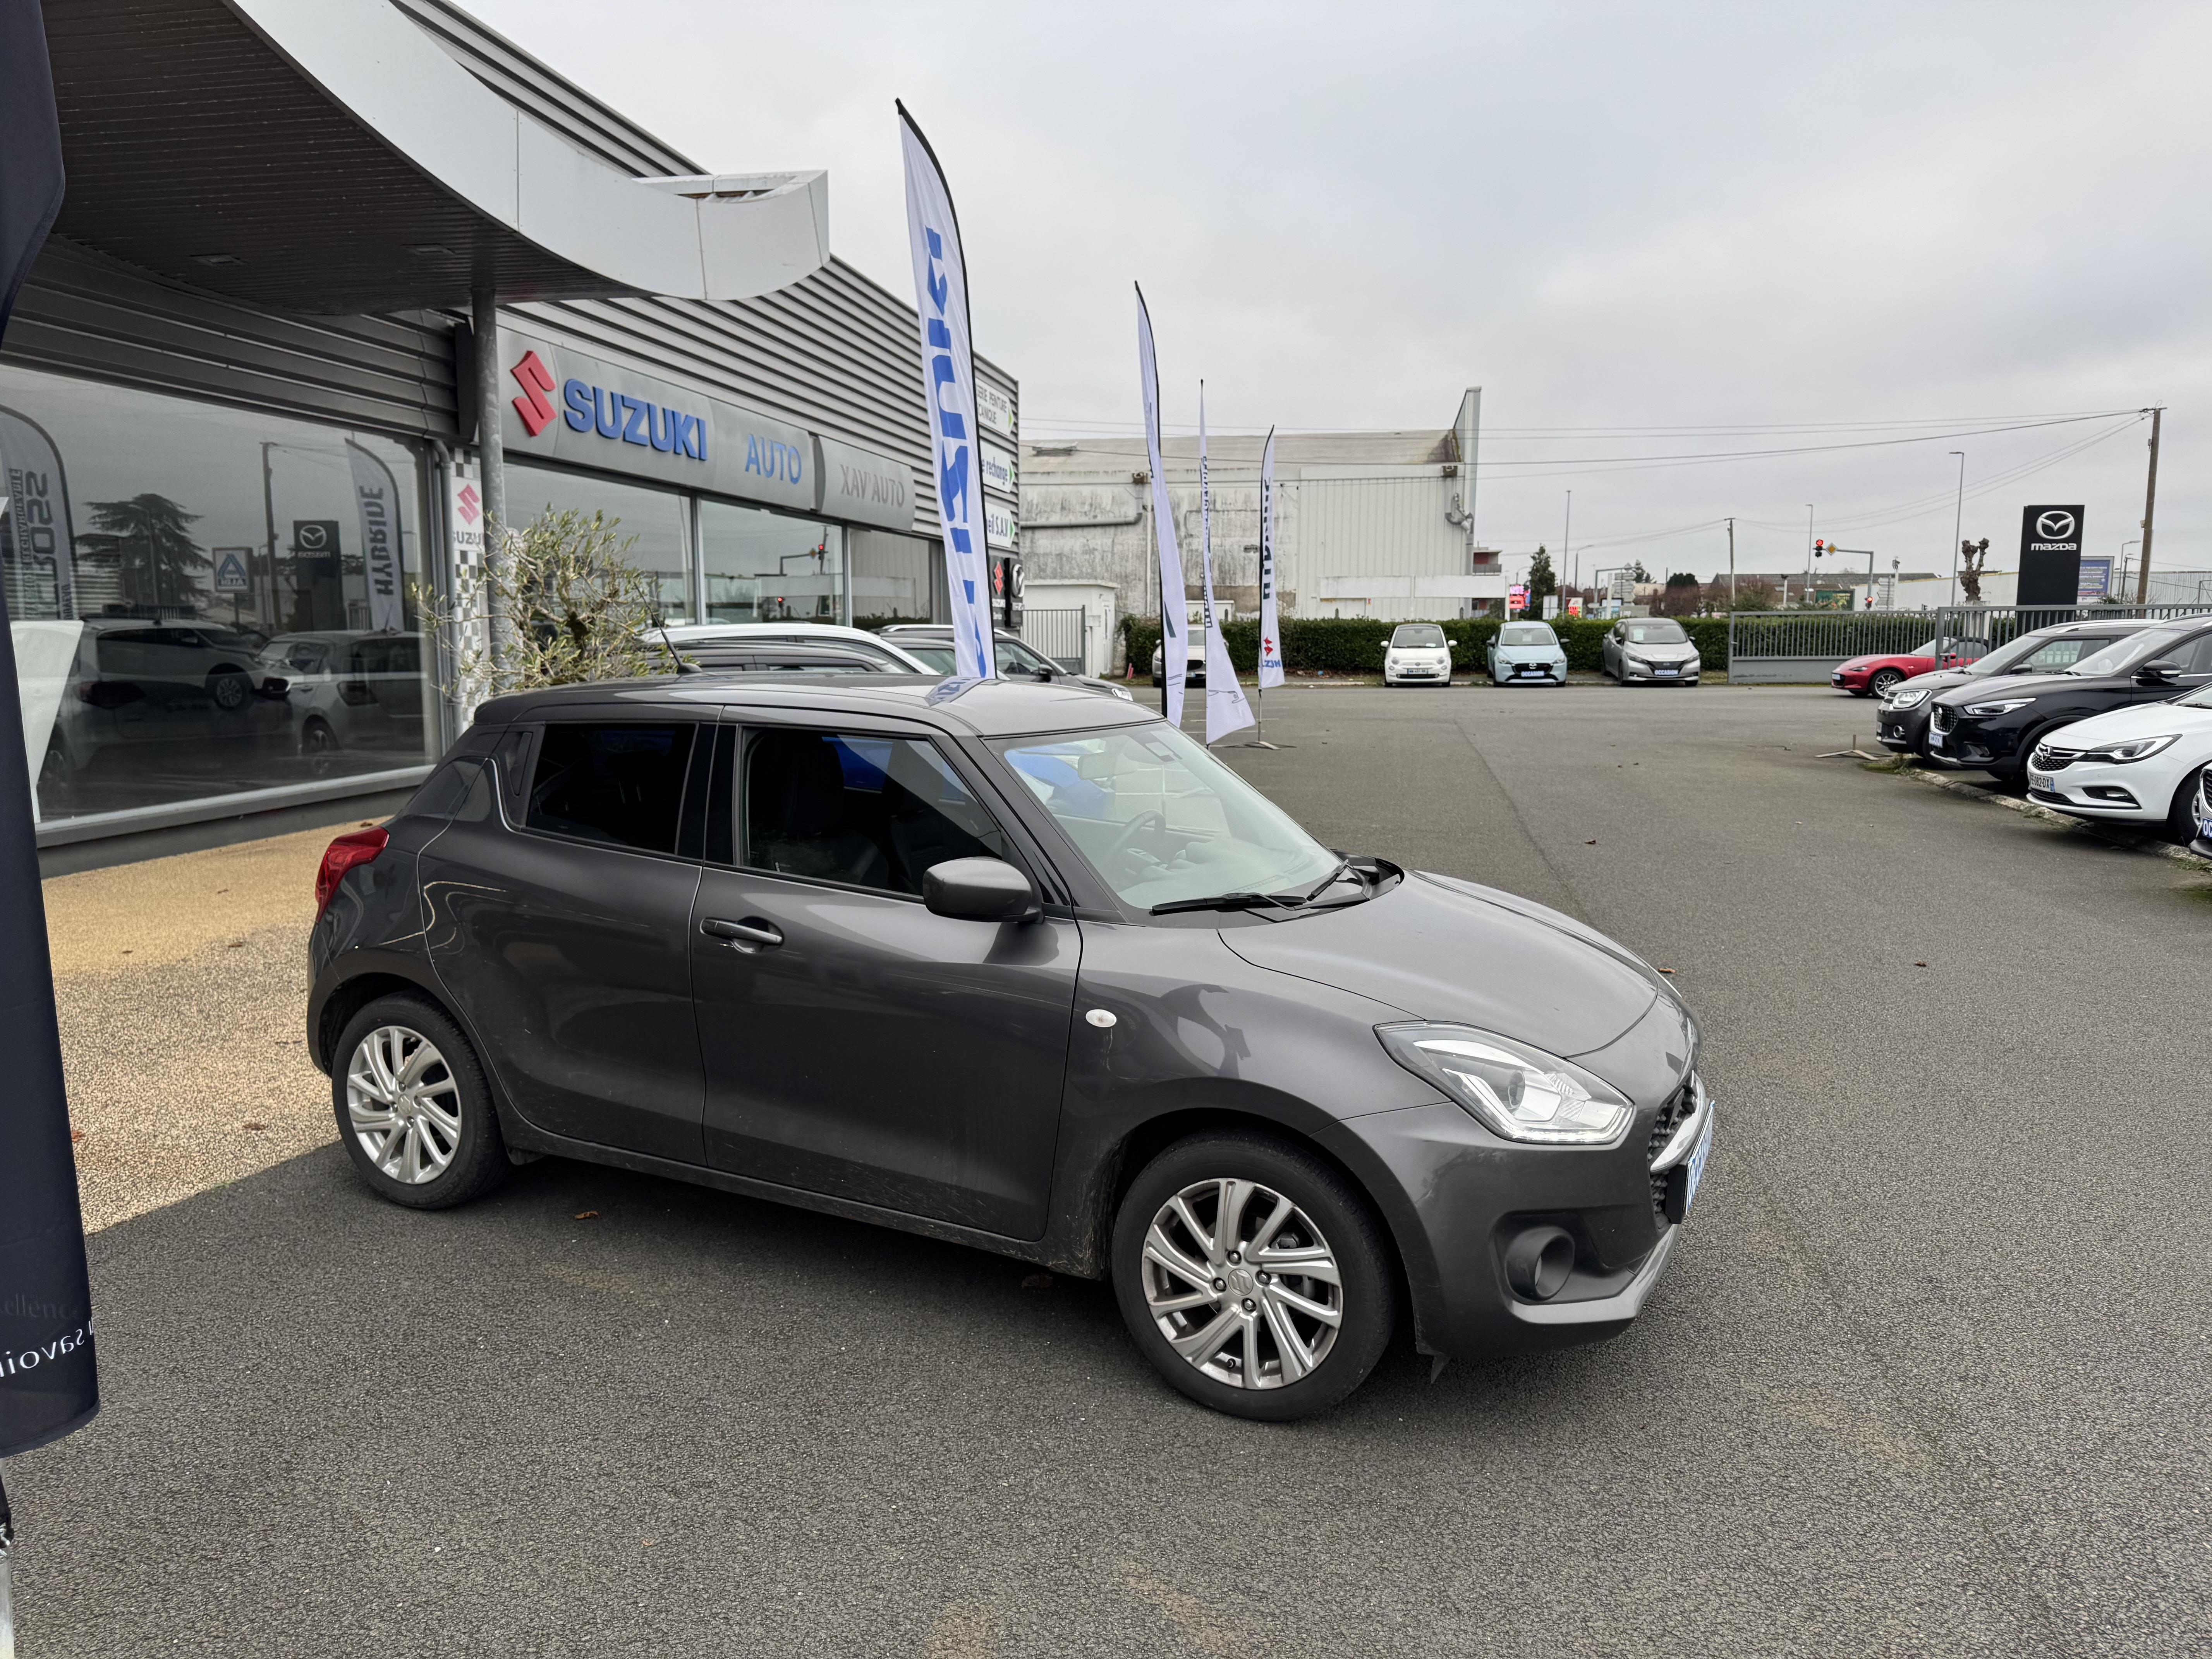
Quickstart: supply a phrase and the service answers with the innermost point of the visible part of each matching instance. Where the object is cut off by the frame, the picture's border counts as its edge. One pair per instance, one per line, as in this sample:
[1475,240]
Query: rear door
[560,924]
[855,1044]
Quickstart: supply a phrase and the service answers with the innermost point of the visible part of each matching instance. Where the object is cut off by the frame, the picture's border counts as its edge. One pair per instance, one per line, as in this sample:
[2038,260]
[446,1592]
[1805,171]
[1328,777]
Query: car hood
[1878,661]
[1990,687]
[1543,652]
[1661,652]
[2142,719]
[1446,950]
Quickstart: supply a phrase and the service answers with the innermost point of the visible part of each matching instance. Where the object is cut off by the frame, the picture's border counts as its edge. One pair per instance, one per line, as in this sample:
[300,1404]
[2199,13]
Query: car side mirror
[979,889]
[2161,672]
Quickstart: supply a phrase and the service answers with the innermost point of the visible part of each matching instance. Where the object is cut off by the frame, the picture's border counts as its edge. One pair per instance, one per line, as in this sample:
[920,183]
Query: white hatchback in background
[1528,654]
[2138,765]
[1418,654]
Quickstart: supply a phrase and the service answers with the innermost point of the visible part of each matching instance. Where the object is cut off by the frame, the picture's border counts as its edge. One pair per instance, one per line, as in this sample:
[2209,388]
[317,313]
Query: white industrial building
[1368,524]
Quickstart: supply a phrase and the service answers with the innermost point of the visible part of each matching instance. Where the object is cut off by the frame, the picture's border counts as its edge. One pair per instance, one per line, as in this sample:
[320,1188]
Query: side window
[2061,653]
[868,811]
[621,785]
[2195,656]
[443,791]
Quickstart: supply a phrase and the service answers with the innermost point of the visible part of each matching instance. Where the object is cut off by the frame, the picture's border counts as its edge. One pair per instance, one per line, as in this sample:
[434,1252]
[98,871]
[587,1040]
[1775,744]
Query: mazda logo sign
[2055,526]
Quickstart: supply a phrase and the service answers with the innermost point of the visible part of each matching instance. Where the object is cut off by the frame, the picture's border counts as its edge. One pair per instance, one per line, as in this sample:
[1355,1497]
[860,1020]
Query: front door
[560,927]
[855,1044]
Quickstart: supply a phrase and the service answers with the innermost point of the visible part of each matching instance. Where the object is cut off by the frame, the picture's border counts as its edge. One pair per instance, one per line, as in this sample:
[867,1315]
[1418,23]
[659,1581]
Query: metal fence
[1783,647]
[1063,635]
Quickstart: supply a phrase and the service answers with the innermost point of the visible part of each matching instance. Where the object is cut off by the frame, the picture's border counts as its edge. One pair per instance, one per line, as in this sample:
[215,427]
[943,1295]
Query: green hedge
[1353,645]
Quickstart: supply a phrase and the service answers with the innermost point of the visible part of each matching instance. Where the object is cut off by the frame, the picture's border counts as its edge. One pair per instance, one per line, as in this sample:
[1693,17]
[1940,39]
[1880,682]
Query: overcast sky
[1793,224]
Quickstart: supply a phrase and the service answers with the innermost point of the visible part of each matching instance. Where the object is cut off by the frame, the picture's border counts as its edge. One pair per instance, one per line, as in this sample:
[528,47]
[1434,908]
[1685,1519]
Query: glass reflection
[654,517]
[766,566]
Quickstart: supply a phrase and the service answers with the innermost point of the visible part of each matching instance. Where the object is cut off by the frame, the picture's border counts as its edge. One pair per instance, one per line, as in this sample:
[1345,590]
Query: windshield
[2032,653]
[1160,819]
[1655,633]
[2121,655]
[1526,634]
[1013,653]
[939,657]
[1419,636]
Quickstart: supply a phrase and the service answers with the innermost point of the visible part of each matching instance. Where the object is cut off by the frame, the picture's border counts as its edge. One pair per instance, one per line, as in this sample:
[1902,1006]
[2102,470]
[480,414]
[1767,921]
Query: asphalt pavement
[1927,1374]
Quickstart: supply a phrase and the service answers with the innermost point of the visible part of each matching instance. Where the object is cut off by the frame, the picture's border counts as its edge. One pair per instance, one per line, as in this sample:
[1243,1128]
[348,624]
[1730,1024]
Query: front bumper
[1541,671]
[1661,673]
[2088,790]
[1975,745]
[1416,673]
[1458,1195]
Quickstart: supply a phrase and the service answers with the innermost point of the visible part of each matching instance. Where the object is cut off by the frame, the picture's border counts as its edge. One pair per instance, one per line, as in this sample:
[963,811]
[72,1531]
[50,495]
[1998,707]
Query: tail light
[362,847]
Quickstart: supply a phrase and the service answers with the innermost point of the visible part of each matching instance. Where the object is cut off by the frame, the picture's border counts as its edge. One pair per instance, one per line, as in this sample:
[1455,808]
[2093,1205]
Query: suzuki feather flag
[1271,638]
[1174,612]
[376,494]
[1226,711]
[47,1383]
[948,383]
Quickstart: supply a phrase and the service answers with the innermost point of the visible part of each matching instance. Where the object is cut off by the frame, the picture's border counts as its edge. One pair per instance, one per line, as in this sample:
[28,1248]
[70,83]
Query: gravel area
[180,983]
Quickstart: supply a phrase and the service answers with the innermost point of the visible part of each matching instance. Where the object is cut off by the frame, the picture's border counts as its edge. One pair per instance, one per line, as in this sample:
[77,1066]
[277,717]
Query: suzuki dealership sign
[570,407]
[2050,556]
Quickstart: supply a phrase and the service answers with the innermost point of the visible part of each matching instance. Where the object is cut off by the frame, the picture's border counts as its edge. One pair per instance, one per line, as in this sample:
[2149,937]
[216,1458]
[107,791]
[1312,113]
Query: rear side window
[868,811]
[444,790]
[622,785]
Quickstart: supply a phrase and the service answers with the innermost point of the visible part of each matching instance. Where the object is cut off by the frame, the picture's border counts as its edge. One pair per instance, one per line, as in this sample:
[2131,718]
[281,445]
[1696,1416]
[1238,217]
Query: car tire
[459,1152]
[2181,816]
[1882,682]
[230,689]
[1328,1213]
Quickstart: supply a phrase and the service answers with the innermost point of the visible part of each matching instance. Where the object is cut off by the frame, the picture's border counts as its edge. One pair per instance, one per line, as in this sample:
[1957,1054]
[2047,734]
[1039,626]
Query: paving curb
[2164,849]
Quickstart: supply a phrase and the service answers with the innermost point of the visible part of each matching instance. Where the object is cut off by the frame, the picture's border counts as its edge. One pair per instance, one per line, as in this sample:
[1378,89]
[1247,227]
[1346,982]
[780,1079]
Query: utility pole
[1958,519]
[1563,553]
[1731,566]
[1804,593]
[2150,507]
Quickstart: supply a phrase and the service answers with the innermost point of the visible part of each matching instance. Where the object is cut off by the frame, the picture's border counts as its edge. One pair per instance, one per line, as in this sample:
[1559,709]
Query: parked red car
[1878,676]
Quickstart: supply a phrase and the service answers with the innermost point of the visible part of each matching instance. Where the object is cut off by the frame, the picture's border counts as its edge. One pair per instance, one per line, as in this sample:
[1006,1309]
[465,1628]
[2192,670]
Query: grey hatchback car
[1022,967]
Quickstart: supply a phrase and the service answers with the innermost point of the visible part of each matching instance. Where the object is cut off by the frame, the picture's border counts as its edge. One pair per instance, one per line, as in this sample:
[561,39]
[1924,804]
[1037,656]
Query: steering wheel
[1155,822]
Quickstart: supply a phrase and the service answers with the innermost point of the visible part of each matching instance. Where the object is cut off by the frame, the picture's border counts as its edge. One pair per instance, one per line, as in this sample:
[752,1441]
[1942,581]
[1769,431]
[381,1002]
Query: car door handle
[747,936]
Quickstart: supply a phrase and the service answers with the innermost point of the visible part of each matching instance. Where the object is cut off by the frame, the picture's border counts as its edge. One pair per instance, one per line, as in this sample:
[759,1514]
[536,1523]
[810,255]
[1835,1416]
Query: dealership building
[305,244]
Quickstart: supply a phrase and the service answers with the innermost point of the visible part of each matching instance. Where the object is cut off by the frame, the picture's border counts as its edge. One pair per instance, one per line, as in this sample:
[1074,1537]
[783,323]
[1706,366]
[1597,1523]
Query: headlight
[1122,692]
[2003,706]
[2135,750]
[1633,660]
[1908,699]
[1522,1093]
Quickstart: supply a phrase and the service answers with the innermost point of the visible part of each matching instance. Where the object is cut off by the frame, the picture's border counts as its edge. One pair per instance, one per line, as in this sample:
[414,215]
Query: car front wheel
[1882,684]
[2181,816]
[414,1108]
[1253,1276]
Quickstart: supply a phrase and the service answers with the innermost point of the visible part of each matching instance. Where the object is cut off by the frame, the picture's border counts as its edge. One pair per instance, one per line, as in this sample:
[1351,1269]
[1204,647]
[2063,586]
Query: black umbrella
[48,1384]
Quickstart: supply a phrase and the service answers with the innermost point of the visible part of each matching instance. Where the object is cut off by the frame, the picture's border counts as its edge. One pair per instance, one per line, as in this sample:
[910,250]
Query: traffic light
[1820,548]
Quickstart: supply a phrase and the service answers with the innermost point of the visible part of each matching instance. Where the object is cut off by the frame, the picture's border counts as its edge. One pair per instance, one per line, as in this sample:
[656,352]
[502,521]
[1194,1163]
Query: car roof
[989,709]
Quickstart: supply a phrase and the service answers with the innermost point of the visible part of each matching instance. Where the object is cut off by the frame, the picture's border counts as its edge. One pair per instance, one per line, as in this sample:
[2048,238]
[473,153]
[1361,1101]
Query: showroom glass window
[769,567]
[205,600]
[650,521]
[897,579]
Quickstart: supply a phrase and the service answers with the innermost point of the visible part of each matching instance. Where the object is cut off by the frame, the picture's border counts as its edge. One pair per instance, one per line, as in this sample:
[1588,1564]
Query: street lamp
[1958,523]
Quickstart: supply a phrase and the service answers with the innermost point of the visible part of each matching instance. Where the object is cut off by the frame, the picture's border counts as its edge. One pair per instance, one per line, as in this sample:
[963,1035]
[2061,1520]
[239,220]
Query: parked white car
[2135,765]
[855,639]
[1418,654]
[1527,654]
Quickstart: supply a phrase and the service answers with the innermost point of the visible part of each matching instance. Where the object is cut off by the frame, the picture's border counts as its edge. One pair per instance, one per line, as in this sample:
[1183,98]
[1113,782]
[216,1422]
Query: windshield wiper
[1329,880]
[1225,902]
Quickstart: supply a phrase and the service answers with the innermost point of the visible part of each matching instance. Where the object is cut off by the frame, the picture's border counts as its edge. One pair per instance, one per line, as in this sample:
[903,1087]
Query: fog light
[1538,1262]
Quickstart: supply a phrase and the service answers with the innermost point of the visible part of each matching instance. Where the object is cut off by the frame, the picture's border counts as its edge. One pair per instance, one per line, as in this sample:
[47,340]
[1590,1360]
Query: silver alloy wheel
[403,1103]
[1242,1284]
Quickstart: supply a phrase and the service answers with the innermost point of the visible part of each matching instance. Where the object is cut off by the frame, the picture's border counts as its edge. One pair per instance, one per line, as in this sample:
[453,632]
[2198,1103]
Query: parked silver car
[1651,650]
[1527,654]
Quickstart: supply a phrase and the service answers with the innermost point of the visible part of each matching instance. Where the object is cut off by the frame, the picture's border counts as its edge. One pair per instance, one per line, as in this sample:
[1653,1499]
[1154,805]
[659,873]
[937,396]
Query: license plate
[2043,782]
[2204,828]
[1696,1168]
[1935,739]
[1665,674]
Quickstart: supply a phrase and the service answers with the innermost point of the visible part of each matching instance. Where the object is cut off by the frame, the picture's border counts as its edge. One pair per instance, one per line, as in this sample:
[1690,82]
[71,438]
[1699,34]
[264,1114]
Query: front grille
[2204,794]
[1942,718]
[1679,1106]
[2047,759]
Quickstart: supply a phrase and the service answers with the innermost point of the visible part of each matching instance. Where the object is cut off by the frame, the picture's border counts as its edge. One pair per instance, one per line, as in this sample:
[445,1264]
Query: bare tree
[1973,557]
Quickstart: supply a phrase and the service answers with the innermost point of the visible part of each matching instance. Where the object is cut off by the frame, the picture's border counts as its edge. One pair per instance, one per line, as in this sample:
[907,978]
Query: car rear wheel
[414,1108]
[1884,681]
[1253,1276]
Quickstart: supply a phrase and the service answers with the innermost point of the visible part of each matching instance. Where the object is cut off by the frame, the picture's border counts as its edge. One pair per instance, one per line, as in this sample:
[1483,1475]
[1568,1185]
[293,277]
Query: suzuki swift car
[1995,724]
[1902,722]
[1023,968]
[2137,765]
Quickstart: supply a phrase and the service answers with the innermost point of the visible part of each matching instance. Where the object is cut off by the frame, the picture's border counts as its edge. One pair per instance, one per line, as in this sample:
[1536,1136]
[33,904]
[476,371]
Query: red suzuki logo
[533,406]
[469,505]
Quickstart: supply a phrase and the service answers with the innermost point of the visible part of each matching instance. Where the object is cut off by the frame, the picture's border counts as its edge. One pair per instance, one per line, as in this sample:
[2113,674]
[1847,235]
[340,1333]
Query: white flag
[376,495]
[1174,615]
[1226,711]
[1271,639]
[948,383]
